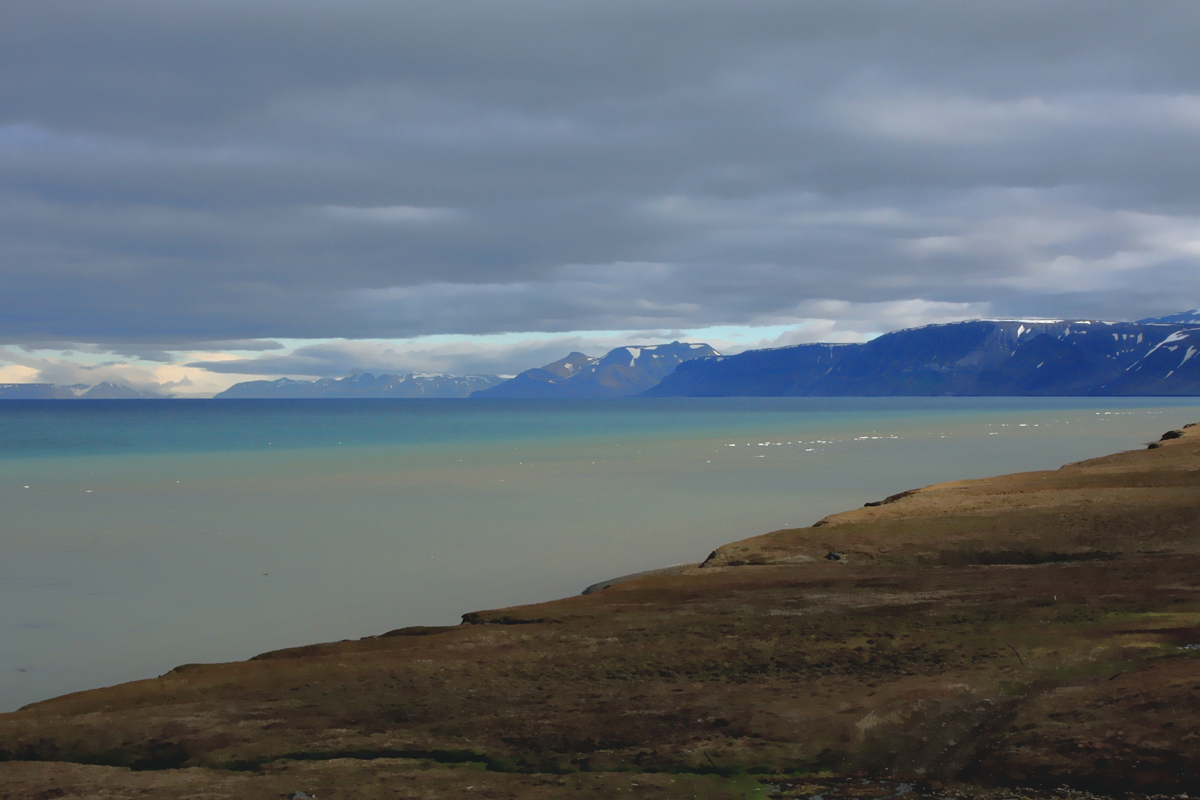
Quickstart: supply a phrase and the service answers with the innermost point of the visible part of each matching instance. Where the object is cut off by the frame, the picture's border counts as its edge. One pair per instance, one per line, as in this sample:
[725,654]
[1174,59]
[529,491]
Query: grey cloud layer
[178,173]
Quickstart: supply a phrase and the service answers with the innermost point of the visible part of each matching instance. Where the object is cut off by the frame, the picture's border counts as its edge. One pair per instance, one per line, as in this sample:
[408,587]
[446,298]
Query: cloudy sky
[196,193]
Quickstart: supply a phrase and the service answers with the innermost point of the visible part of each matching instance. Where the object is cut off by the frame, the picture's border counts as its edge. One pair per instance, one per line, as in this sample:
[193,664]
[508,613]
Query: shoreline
[960,639]
[674,508]
[673,569]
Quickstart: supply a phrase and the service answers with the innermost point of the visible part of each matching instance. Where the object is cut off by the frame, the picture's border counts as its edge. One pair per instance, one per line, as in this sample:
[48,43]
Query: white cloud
[92,364]
[183,381]
[392,214]
[915,115]
[18,373]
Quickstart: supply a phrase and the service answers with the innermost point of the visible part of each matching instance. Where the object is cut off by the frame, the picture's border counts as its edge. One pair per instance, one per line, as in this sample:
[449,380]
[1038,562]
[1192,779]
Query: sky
[198,193]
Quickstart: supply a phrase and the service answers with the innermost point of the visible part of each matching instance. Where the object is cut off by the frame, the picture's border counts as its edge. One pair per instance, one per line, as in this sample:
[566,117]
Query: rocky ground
[1032,635]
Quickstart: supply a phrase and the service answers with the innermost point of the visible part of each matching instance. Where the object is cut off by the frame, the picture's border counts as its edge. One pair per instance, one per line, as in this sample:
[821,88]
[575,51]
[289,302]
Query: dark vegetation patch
[989,558]
[292,652]
[892,498]
[476,618]
[420,630]
[437,756]
[642,762]
[152,755]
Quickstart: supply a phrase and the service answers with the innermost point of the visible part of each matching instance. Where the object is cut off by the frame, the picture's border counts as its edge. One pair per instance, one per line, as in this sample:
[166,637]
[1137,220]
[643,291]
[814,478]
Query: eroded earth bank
[1030,635]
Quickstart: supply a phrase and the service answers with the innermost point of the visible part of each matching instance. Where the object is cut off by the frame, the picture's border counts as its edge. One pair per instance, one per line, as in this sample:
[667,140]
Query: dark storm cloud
[193,172]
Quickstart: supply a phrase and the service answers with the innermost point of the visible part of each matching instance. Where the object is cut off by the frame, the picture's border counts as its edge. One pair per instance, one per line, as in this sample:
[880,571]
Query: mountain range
[980,358]
[365,384]
[622,372]
[78,391]
[974,358]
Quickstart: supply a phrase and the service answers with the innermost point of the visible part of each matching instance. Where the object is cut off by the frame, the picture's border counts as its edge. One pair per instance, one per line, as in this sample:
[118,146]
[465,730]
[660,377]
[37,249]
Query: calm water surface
[139,535]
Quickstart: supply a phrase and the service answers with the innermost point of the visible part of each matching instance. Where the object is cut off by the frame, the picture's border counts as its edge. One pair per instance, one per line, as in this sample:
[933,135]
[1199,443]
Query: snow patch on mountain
[621,372]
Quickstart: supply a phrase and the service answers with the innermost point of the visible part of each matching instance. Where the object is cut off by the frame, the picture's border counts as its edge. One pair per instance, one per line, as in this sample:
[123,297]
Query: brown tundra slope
[1030,630]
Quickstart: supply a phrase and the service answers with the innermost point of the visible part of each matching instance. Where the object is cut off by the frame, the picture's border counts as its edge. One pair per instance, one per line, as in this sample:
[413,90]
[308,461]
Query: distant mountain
[115,391]
[412,384]
[1170,368]
[35,391]
[78,391]
[980,358]
[1183,318]
[622,372]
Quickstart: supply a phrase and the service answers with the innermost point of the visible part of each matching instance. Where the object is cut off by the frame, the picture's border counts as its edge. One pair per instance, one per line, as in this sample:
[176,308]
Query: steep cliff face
[982,357]
[1170,368]
[780,372]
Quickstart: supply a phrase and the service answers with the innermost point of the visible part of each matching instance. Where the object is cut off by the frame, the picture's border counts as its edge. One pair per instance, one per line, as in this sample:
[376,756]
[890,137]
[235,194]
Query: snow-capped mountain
[980,357]
[622,372]
[365,384]
[78,391]
[1183,318]
[1169,368]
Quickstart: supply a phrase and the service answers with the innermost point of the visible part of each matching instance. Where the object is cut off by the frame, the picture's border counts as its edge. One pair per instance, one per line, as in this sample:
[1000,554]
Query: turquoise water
[136,536]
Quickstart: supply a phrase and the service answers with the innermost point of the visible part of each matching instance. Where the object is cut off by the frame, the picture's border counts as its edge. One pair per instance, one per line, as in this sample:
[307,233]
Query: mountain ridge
[621,372]
[1182,318]
[105,390]
[970,358]
[364,384]
[985,357]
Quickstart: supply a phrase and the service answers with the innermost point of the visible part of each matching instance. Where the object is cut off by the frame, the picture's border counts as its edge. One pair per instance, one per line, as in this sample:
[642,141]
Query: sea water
[139,535]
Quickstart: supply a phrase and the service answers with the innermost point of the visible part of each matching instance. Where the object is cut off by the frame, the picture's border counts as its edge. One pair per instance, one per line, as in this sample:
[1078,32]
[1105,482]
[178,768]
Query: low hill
[622,372]
[980,358]
[365,384]
[1038,630]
